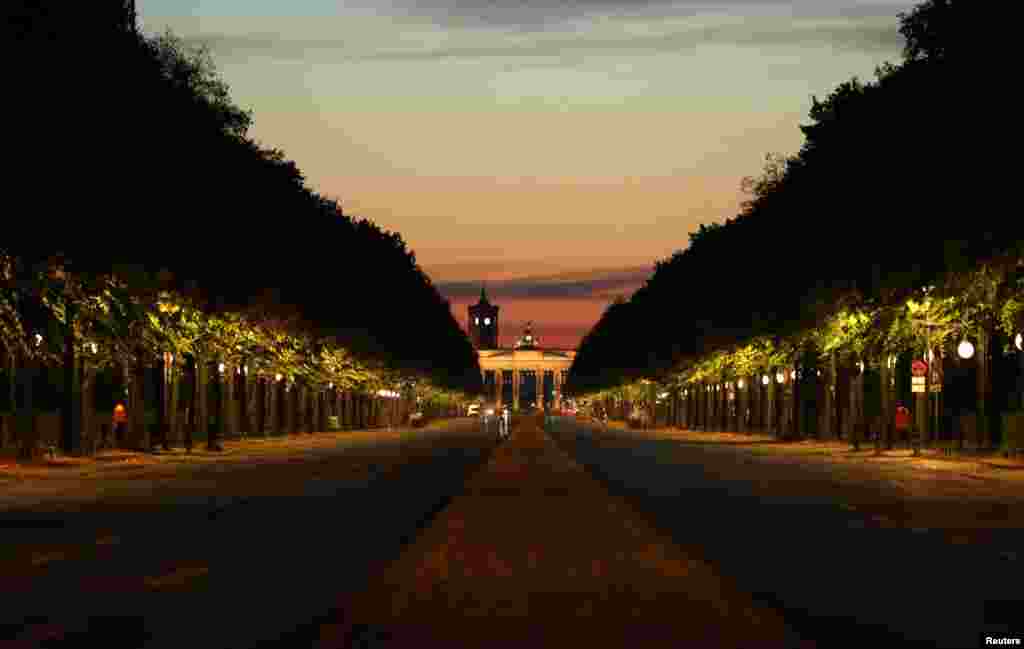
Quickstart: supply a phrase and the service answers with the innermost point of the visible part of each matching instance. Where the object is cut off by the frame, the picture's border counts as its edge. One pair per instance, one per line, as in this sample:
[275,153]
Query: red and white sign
[919,368]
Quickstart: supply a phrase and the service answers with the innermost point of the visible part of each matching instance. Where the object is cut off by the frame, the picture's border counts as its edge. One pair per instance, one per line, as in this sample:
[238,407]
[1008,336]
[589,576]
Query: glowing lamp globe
[965,349]
[765,380]
[1019,341]
[220,368]
[780,377]
[739,384]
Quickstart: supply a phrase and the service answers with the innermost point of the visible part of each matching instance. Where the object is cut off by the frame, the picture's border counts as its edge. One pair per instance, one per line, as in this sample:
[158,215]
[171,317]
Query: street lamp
[965,349]
[739,384]
[1019,341]
[780,377]
[220,368]
[765,380]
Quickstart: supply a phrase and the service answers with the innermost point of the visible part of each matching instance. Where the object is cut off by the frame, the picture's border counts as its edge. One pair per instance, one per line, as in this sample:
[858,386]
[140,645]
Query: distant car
[473,410]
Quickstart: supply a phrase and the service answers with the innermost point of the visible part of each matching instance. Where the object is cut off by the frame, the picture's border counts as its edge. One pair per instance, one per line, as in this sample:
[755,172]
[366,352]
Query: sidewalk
[967,499]
[987,466]
[536,553]
[64,480]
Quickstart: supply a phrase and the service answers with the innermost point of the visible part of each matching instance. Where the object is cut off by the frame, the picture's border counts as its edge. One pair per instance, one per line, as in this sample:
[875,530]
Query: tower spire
[483,292]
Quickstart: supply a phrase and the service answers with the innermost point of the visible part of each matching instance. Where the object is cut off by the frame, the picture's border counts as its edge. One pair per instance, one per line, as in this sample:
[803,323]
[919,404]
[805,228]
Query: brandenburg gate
[523,376]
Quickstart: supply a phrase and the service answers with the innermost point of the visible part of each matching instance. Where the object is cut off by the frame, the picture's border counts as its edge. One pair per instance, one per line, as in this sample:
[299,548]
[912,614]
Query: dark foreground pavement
[835,573]
[232,558]
[535,553]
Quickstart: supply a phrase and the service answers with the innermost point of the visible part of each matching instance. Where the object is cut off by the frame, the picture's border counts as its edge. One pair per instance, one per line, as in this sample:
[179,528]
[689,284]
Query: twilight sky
[553,148]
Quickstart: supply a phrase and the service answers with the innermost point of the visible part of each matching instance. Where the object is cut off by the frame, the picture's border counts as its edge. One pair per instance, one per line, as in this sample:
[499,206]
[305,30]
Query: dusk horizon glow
[524,142]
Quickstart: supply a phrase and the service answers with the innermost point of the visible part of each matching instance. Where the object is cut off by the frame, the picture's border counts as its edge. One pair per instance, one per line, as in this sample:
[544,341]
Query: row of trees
[846,376]
[837,242]
[179,234]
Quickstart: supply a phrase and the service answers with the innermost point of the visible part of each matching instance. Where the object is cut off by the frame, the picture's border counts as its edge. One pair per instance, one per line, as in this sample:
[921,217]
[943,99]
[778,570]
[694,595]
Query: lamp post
[924,418]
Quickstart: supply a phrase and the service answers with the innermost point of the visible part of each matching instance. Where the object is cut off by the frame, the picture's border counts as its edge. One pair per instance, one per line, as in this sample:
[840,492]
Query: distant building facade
[522,376]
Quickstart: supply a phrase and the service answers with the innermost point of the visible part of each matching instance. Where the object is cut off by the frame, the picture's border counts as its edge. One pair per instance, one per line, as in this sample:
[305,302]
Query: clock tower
[483,323]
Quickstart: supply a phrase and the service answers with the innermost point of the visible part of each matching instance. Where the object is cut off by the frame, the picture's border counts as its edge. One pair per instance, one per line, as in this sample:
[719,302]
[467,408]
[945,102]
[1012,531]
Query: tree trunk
[26,417]
[215,429]
[796,424]
[71,402]
[203,398]
[162,395]
[320,423]
[12,381]
[139,433]
[270,397]
[257,406]
[276,407]
[174,395]
[284,396]
[191,411]
[229,401]
[90,436]
[245,388]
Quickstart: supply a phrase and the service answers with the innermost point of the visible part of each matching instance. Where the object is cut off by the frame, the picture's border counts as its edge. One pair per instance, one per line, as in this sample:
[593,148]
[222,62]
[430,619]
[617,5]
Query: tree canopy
[134,164]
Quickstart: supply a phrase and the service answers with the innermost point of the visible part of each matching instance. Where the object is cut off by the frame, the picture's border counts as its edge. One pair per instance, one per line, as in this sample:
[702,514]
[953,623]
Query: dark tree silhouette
[872,207]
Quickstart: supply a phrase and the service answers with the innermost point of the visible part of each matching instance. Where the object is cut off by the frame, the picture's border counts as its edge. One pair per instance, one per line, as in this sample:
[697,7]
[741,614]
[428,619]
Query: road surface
[230,556]
[841,558]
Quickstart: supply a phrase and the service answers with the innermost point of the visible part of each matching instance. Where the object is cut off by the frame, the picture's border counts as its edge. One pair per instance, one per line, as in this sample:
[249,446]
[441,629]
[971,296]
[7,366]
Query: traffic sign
[919,368]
